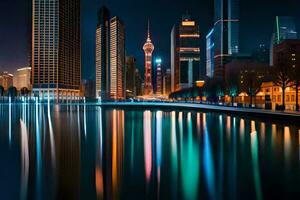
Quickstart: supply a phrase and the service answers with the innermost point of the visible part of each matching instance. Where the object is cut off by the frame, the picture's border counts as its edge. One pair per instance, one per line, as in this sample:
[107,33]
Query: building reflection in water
[99,157]
[158,147]
[161,153]
[174,156]
[287,143]
[242,131]
[38,138]
[9,122]
[190,160]
[24,160]
[255,161]
[147,145]
[51,136]
[208,161]
[117,151]
[221,156]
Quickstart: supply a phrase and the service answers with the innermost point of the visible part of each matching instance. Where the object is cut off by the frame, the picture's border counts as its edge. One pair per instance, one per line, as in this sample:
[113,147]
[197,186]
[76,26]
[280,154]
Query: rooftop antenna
[148,29]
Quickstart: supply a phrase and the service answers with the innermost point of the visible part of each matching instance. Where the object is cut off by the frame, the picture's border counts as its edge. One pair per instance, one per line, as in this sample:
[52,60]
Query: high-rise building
[22,78]
[56,60]
[167,82]
[148,49]
[226,34]
[210,68]
[6,80]
[133,78]
[138,83]
[288,52]
[102,54]
[159,77]
[117,59]
[110,57]
[185,54]
[284,29]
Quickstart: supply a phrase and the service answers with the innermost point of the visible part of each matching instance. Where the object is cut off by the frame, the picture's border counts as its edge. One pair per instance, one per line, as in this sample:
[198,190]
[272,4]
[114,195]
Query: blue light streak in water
[9,123]
[84,118]
[51,134]
[209,167]
[24,161]
[38,154]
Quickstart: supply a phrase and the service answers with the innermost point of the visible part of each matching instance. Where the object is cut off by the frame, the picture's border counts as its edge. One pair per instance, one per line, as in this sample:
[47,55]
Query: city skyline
[14,49]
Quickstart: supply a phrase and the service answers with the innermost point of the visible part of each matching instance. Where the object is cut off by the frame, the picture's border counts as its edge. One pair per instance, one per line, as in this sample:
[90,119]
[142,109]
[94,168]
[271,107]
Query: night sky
[256,25]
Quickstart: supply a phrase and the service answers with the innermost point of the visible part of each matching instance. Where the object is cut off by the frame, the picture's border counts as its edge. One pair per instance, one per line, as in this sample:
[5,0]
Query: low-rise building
[6,80]
[22,78]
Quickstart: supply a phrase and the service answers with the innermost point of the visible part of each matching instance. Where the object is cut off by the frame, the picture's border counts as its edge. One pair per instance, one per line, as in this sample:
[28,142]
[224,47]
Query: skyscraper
[185,54]
[117,59]
[226,34]
[148,49]
[167,82]
[102,54]
[210,56]
[110,57]
[56,61]
[159,88]
[133,78]
[284,29]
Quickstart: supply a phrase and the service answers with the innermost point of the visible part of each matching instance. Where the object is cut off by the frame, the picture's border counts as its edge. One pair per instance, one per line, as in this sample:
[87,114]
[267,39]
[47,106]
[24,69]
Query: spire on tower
[148,38]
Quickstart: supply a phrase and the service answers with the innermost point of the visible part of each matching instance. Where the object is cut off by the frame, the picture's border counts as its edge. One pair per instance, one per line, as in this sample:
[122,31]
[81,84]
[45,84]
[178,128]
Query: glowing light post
[148,49]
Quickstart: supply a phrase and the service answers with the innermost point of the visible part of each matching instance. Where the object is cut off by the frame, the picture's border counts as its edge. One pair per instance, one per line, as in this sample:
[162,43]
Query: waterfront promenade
[285,115]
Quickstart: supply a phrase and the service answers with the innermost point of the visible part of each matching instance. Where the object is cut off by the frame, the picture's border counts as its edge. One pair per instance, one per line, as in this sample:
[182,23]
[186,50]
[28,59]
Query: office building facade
[284,29]
[225,34]
[133,78]
[167,82]
[185,54]
[159,83]
[56,53]
[210,45]
[22,78]
[102,54]
[110,57]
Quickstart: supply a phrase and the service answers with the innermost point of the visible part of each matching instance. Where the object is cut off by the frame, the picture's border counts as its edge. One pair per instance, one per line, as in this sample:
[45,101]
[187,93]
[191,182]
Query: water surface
[88,152]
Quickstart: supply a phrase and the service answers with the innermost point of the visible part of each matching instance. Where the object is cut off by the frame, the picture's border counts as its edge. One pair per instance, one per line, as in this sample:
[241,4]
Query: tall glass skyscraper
[102,54]
[210,54]
[226,33]
[56,61]
[110,57]
[185,54]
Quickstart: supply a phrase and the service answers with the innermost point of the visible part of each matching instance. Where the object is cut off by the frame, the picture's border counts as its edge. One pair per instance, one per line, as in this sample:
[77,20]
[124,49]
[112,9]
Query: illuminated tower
[185,54]
[158,77]
[148,49]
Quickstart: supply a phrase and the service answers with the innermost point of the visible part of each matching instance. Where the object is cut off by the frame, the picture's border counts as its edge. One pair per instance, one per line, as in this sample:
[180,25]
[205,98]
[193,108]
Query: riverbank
[282,115]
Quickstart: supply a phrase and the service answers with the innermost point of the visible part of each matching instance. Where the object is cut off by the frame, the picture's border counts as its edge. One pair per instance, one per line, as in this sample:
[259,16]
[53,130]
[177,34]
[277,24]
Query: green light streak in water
[255,165]
[190,164]
[174,154]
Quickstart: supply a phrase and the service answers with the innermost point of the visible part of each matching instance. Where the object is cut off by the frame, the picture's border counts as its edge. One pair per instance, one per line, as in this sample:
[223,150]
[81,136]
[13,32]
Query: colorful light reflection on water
[87,152]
